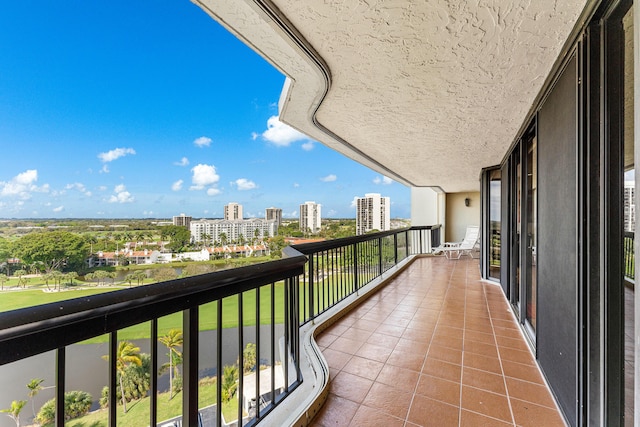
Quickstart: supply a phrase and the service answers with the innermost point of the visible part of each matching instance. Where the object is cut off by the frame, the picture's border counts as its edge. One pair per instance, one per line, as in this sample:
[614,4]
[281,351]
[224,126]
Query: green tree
[164,274]
[3,280]
[172,340]
[223,239]
[126,355]
[249,358]
[54,249]
[14,410]
[276,244]
[21,279]
[179,237]
[71,276]
[229,382]
[34,386]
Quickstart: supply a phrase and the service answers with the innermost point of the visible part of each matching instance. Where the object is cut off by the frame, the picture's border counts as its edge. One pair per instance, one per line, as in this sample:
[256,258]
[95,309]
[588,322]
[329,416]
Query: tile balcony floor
[436,346]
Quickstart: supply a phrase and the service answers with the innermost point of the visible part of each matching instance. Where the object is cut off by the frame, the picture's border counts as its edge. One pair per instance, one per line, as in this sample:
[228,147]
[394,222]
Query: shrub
[76,404]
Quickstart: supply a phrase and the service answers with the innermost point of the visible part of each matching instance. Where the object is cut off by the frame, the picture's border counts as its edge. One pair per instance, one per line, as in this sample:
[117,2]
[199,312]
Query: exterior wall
[182,220]
[459,216]
[427,206]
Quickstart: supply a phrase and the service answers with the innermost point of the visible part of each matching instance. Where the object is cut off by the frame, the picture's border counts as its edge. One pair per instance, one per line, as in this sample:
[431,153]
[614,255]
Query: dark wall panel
[557,231]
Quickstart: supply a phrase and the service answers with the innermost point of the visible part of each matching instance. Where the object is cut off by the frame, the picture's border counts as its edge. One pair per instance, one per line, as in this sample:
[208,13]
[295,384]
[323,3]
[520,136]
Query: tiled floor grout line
[464,330]
[427,352]
[504,376]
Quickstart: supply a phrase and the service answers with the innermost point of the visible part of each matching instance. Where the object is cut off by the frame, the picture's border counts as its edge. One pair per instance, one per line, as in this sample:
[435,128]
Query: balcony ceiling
[425,92]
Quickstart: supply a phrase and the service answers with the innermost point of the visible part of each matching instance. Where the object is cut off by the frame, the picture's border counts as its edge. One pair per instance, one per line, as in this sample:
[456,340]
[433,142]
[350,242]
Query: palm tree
[71,276]
[3,279]
[34,386]
[14,411]
[21,281]
[126,355]
[172,340]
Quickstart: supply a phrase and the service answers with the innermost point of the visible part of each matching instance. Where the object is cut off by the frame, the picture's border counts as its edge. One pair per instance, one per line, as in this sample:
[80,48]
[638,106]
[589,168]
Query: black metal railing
[246,319]
[339,268]
[629,256]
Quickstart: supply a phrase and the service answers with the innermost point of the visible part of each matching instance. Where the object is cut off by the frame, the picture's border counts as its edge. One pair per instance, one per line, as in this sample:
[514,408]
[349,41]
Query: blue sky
[134,109]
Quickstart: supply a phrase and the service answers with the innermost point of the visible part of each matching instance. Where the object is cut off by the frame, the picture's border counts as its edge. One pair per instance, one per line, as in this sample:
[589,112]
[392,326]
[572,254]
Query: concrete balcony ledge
[299,409]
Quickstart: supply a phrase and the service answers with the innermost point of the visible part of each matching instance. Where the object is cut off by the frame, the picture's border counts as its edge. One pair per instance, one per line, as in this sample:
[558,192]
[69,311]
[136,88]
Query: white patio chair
[454,250]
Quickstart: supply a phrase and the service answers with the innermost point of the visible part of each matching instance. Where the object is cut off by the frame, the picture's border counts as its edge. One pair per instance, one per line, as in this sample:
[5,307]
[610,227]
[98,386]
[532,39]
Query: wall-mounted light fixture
[467,202]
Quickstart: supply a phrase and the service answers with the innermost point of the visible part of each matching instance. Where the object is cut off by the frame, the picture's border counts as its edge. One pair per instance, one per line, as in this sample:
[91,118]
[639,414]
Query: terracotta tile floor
[435,347]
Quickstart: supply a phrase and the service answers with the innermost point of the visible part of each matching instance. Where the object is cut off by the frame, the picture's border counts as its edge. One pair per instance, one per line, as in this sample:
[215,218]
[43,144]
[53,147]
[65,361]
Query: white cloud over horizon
[243,184]
[382,180]
[203,141]
[205,177]
[280,134]
[114,154]
[329,178]
[183,162]
[121,195]
[22,185]
[177,186]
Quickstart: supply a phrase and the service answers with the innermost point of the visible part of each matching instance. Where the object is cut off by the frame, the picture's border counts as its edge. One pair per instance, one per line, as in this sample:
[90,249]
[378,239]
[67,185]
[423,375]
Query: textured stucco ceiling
[427,92]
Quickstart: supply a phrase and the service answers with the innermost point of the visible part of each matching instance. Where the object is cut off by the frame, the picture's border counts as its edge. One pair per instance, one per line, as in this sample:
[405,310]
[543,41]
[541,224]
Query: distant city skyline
[141,111]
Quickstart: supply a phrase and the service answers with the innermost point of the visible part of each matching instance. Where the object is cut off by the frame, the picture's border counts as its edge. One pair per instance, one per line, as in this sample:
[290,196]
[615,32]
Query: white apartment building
[310,217]
[629,206]
[274,214]
[210,231]
[233,212]
[372,213]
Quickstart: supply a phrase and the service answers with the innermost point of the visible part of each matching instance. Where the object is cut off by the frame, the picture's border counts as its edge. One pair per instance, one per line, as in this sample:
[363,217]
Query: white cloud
[254,136]
[329,178]
[105,169]
[58,209]
[281,134]
[22,185]
[203,141]
[382,180]
[183,162]
[177,186]
[293,214]
[203,176]
[102,188]
[114,154]
[213,192]
[332,212]
[354,202]
[79,187]
[307,146]
[121,196]
[244,184]
[296,185]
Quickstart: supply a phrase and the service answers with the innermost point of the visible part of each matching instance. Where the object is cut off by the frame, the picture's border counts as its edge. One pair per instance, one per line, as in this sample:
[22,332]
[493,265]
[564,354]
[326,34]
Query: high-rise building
[372,213]
[232,211]
[310,217]
[273,214]
[629,206]
[182,220]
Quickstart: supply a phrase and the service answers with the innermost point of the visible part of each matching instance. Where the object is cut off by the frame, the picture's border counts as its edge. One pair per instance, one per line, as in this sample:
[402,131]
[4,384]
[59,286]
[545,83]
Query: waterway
[86,370]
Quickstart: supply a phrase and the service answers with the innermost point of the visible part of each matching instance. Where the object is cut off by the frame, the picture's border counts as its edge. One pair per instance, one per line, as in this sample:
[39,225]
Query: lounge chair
[455,250]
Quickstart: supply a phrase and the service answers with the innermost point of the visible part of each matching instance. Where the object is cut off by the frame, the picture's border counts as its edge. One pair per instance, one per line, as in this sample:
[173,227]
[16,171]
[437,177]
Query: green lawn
[138,411]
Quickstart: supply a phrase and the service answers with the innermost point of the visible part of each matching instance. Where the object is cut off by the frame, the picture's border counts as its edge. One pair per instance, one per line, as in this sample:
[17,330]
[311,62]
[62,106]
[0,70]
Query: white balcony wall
[459,216]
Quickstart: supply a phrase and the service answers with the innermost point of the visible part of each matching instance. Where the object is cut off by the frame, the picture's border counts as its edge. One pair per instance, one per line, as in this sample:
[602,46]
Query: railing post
[113,401]
[60,386]
[395,249]
[190,366]
[355,267]
[310,273]
[379,256]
